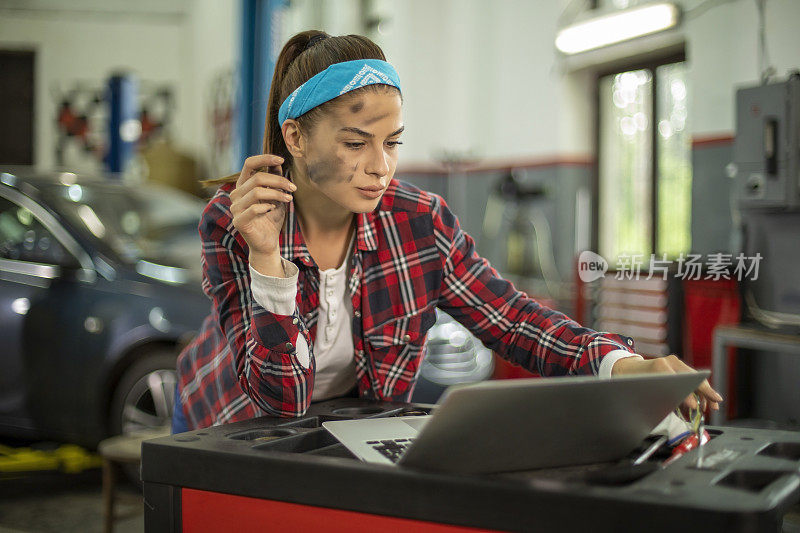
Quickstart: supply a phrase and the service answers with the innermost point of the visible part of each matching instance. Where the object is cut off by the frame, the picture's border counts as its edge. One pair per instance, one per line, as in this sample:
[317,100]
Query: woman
[325,272]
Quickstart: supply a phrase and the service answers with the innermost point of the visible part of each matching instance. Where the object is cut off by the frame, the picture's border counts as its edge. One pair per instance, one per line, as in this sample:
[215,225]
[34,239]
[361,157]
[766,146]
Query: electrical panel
[767,146]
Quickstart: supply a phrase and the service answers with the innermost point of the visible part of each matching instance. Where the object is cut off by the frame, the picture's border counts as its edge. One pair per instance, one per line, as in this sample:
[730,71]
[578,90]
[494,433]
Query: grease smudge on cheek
[328,169]
[319,172]
[353,173]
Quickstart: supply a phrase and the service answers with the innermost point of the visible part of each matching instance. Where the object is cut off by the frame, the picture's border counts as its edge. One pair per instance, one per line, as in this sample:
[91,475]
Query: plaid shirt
[410,257]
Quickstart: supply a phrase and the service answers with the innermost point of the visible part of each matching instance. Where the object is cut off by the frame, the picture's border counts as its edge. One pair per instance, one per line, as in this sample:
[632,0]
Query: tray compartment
[751,480]
[311,422]
[334,450]
[262,434]
[782,450]
[303,442]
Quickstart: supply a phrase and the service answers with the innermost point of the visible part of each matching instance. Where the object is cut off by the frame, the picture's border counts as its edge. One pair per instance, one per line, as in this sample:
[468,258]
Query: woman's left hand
[669,365]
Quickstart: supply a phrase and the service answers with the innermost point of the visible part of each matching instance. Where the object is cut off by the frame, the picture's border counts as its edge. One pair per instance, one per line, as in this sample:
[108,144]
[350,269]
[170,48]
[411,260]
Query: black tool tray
[306,434]
[748,479]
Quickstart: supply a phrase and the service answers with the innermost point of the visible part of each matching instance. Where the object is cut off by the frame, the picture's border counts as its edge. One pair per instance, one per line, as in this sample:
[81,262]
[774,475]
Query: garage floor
[58,502]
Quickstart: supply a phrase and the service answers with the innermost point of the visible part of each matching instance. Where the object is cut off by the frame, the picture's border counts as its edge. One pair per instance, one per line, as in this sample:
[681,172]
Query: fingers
[712,396]
[706,403]
[265,194]
[259,195]
[709,398]
[263,180]
[690,403]
[252,212]
[256,162]
[706,390]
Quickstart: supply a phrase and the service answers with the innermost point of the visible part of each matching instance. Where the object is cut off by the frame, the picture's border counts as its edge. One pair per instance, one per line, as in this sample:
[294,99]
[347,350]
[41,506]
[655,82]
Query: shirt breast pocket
[397,348]
[409,329]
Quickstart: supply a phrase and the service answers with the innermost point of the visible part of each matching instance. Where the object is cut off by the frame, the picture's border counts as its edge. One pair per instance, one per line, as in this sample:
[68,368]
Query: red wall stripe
[469,167]
[489,165]
[707,141]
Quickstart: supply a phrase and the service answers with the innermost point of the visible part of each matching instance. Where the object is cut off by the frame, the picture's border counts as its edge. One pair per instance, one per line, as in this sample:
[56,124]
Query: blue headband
[334,81]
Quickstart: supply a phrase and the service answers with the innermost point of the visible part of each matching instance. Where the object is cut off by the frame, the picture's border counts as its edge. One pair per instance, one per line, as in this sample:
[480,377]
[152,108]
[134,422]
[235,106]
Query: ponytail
[303,56]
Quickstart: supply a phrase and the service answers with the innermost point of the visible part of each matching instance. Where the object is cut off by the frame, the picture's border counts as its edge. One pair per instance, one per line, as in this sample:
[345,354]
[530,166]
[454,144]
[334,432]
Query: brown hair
[306,54]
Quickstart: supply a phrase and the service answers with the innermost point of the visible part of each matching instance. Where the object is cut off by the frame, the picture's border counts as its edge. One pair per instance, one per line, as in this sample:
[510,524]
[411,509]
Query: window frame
[651,64]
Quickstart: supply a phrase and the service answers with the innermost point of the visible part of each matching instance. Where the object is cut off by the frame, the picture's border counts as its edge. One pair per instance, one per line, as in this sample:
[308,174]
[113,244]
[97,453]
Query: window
[644,162]
[24,238]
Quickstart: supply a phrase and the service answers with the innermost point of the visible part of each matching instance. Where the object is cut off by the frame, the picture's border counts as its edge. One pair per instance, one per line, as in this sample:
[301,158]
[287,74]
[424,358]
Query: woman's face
[351,153]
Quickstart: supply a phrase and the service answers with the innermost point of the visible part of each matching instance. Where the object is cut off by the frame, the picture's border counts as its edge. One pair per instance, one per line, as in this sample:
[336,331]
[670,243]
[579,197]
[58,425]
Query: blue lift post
[124,127]
[260,32]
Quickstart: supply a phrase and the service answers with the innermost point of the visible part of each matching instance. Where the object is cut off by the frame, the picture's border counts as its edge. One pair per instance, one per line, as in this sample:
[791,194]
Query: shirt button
[357,314]
[295,321]
[630,342]
[406,338]
[289,347]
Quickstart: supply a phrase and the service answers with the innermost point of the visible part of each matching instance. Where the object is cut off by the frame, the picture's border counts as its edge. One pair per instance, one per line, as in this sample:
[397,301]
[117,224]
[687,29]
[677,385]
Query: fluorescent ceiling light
[617,27]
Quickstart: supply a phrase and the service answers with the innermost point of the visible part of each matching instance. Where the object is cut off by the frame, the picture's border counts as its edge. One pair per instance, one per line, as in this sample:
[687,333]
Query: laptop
[522,424]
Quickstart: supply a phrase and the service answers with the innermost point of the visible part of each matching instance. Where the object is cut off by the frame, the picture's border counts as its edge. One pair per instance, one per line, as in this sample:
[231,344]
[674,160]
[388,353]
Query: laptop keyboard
[392,449]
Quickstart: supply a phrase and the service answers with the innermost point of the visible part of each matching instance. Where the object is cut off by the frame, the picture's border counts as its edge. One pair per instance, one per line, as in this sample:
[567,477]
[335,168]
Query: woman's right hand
[259,203]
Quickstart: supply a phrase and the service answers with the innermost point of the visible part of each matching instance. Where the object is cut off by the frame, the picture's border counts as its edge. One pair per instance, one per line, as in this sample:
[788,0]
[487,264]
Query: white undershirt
[335,374]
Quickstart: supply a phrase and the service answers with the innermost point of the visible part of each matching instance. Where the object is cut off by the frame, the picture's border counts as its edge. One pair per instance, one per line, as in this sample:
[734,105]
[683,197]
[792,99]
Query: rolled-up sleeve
[279,295]
[263,342]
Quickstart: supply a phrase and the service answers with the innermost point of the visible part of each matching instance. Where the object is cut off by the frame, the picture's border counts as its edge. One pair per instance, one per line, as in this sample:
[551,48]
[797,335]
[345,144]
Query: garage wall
[722,49]
[720,61]
[482,79]
[212,39]
[180,43]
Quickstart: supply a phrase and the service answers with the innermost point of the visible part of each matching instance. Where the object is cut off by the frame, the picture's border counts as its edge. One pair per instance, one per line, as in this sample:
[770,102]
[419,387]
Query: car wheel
[144,398]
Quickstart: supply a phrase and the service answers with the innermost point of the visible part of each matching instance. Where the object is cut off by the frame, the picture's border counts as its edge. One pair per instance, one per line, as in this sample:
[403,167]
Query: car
[99,290]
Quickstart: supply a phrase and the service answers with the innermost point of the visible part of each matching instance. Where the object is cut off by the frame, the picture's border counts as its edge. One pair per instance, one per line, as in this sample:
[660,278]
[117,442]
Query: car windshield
[142,223]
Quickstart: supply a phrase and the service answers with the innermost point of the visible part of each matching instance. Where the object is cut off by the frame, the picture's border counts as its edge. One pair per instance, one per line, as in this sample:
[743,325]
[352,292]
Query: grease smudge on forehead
[376,119]
[357,106]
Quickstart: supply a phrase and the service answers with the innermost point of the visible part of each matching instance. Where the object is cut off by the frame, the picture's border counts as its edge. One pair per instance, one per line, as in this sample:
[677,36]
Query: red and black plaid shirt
[410,257]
